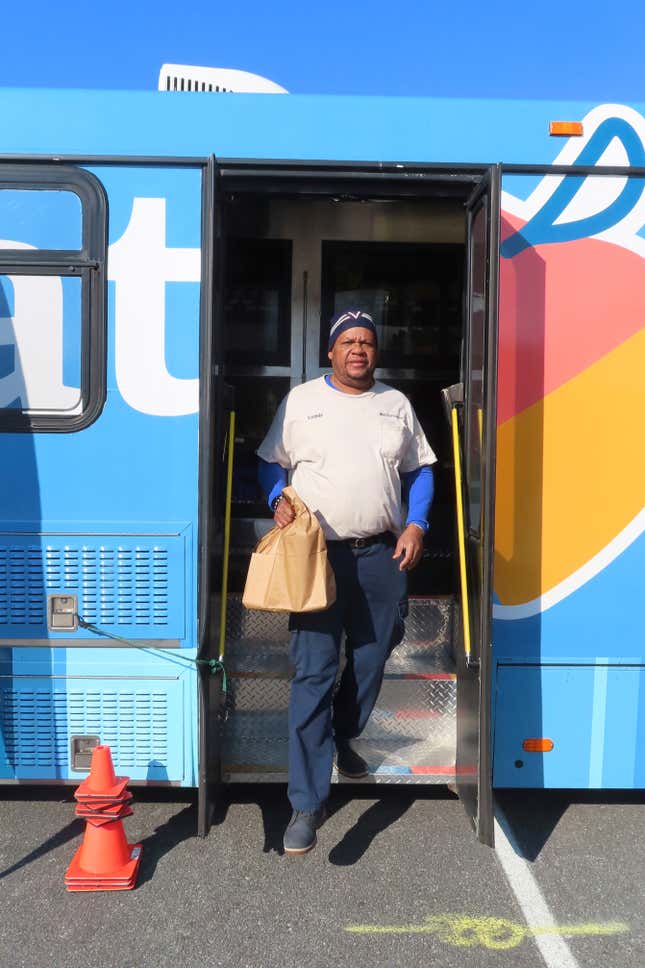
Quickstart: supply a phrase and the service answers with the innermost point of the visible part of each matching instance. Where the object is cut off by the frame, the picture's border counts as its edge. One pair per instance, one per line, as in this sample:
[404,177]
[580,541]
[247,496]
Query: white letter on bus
[140,264]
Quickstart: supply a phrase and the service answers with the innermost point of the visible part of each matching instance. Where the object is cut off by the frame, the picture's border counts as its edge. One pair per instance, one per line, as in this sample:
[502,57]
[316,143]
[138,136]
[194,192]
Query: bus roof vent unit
[217,80]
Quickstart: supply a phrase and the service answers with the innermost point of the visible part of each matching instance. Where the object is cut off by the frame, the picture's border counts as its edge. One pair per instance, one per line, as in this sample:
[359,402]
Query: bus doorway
[296,248]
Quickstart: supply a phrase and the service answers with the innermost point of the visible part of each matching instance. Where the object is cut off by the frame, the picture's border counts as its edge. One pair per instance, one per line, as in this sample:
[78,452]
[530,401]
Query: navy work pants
[368,608]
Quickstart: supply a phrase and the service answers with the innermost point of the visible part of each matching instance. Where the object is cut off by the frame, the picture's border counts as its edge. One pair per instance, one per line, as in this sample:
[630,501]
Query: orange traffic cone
[104,861]
[101,783]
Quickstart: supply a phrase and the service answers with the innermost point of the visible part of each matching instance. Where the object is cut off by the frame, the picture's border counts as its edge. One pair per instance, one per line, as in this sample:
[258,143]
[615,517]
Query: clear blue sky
[491,48]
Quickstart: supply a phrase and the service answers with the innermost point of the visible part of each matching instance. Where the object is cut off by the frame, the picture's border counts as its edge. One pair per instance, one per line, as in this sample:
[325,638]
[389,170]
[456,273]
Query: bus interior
[292,256]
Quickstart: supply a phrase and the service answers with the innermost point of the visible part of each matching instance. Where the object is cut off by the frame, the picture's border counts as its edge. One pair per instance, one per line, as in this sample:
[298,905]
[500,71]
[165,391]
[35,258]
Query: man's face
[353,357]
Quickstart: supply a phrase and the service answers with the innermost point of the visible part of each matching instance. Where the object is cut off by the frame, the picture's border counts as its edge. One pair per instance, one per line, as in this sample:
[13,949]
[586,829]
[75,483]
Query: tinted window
[52,297]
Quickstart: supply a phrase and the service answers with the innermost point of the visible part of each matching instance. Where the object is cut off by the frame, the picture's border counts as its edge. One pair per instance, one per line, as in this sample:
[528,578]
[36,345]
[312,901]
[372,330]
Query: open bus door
[215,407]
[473,415]
[303,178]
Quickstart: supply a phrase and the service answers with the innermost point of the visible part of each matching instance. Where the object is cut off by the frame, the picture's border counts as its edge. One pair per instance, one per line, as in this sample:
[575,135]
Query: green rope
[185,661]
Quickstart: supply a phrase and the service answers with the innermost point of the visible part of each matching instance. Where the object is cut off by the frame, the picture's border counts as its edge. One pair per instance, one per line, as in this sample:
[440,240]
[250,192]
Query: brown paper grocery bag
[289,571]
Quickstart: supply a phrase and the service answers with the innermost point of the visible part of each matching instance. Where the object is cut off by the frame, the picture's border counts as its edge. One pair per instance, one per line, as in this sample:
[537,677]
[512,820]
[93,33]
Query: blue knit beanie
[347,319]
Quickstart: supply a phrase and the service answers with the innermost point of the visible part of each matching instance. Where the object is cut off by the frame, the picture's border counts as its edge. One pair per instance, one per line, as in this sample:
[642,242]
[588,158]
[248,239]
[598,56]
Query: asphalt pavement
[397,880]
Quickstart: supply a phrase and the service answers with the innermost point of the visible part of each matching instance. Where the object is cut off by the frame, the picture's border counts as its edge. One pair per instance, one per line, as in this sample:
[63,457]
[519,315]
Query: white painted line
[553,948]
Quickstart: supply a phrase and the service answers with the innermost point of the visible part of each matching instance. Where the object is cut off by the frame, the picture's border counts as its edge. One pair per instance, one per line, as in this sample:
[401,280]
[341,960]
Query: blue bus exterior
[110,512]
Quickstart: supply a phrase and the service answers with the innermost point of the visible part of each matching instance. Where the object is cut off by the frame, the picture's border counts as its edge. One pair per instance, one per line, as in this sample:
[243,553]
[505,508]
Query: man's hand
[284,513]
[409,545]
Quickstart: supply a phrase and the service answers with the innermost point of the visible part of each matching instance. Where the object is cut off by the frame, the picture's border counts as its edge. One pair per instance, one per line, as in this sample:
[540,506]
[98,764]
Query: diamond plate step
[384,774]
[413,727]
[263,760]
[385,726]
[411,734]
[258,642]
[413,701]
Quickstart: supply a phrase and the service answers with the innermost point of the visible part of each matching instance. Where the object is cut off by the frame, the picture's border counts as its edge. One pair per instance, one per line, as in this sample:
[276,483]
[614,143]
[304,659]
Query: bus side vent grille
[22,592]
[133,724]
[115,586]
[37,725]
[34,728]
[135,587]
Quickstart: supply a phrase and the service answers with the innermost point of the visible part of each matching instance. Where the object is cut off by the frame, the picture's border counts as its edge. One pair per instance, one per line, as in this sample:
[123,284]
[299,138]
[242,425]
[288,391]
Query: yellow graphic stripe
[570,475]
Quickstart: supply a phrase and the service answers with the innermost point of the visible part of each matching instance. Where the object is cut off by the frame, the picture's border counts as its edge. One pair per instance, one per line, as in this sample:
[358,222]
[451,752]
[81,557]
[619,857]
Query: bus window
[40,361]
[41,219]
[53,225]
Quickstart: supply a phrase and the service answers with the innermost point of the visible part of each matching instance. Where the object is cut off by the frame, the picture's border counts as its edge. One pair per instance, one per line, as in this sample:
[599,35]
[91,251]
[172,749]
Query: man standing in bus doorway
[353,447]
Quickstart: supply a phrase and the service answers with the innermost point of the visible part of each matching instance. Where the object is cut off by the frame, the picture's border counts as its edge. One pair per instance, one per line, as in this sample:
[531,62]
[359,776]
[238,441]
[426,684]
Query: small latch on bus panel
[62,613]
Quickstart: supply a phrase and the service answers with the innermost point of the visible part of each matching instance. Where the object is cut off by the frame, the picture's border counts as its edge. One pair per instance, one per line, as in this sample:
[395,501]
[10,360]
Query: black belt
[363,542]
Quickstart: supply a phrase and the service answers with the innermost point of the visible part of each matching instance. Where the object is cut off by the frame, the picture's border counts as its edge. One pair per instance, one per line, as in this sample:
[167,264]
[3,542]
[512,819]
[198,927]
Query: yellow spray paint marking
[498,934]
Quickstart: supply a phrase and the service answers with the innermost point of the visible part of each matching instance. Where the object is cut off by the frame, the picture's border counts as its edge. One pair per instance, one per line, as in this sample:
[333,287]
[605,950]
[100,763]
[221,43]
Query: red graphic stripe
[444,770]
[563,307]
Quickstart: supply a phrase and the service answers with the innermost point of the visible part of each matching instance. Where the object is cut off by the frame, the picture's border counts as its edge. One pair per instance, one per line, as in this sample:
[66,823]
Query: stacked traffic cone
[105,861]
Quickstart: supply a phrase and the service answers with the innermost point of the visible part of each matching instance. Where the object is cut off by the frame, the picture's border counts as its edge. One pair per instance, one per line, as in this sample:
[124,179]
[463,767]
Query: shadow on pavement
[32,794]
[181,826]
[377,818]
[533,815]
[276,812]
[271,801]
[69,832]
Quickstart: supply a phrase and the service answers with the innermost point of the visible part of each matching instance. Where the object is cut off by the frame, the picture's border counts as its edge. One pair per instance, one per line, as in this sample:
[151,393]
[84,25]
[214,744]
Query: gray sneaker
[300,835]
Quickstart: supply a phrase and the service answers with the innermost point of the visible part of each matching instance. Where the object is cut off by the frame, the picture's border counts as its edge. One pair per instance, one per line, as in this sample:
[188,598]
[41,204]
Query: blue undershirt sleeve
[272,477]
[418,489]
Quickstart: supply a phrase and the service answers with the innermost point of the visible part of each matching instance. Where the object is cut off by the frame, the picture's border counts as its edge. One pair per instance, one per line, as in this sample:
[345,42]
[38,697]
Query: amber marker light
[537,745]
[566,129]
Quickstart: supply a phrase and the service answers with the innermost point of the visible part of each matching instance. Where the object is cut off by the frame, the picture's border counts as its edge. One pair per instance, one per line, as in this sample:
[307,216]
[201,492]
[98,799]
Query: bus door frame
[475,401]
[280,176]
[211,692]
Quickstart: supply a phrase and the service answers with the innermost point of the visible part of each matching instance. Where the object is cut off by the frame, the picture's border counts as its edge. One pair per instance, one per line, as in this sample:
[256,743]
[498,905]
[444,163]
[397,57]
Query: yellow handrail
[227,533]
[461,532]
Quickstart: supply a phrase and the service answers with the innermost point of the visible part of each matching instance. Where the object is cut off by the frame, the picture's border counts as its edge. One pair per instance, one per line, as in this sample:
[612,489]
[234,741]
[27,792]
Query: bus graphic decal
[571,262]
